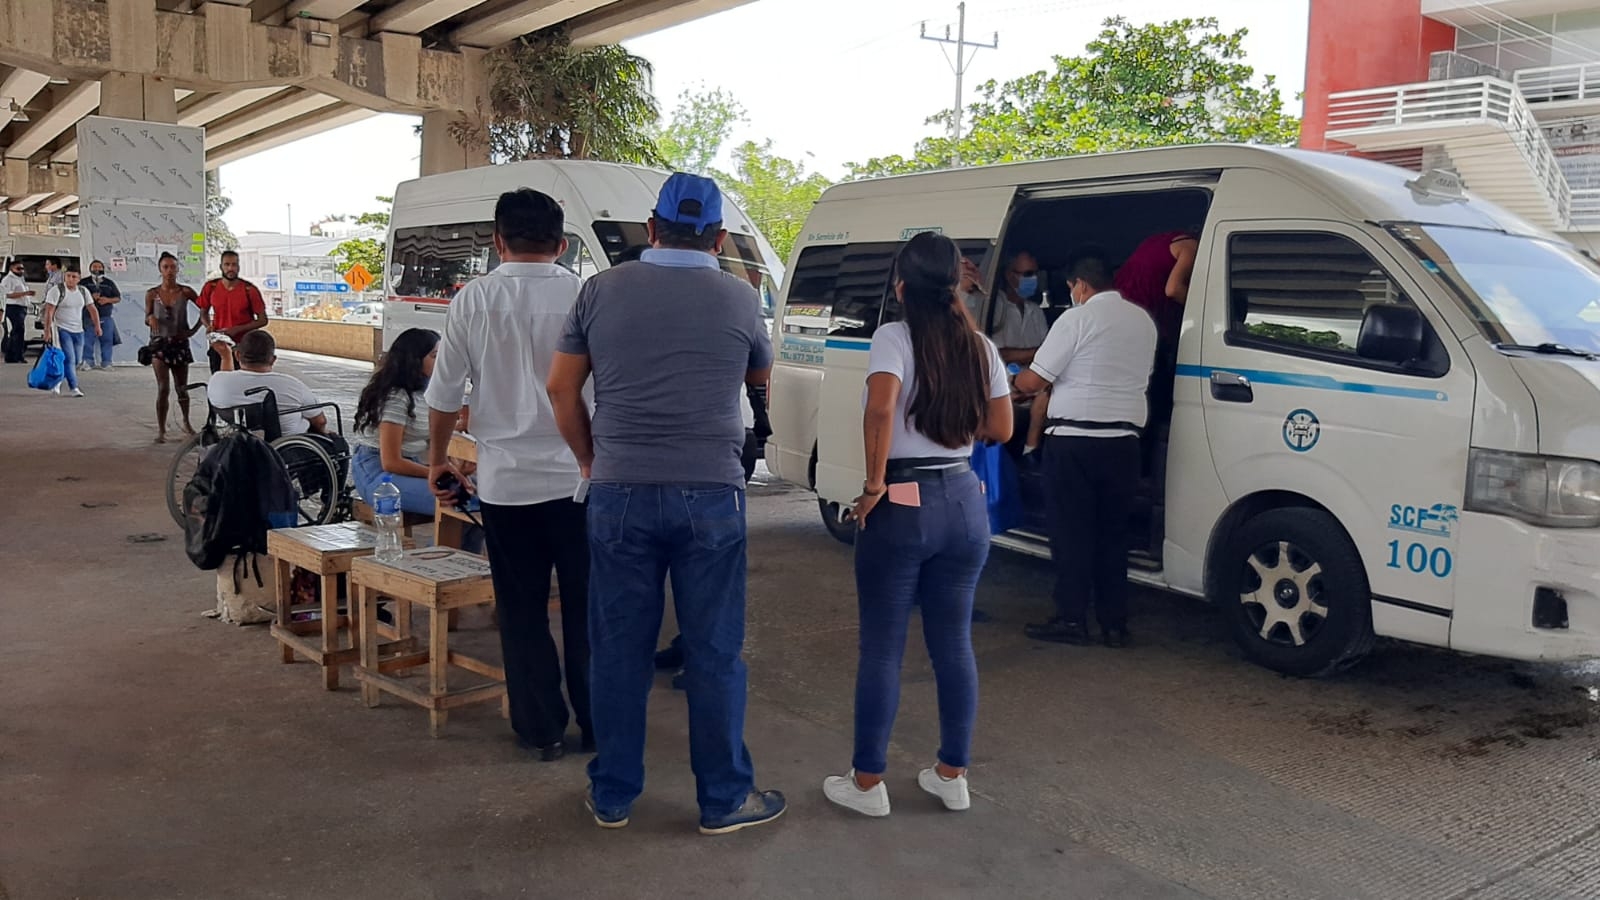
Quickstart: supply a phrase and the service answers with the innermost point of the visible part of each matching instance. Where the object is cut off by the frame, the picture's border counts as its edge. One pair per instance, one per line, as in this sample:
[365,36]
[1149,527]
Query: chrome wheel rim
[1282,594]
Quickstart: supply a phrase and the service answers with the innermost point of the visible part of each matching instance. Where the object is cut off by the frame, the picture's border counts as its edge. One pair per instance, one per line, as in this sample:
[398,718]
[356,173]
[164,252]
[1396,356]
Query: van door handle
[1231,387]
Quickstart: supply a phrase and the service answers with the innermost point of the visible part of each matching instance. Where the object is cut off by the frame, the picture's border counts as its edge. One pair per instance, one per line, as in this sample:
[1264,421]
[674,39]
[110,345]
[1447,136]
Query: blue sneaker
[605,818]
[759,808]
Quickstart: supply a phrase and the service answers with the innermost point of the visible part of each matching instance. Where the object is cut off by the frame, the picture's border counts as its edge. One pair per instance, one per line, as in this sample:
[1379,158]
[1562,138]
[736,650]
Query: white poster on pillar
[124,159]
[142,189]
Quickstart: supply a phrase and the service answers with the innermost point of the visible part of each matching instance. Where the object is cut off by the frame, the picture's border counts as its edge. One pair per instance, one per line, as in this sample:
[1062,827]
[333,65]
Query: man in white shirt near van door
[501,333]
[1097,362]
[14,288]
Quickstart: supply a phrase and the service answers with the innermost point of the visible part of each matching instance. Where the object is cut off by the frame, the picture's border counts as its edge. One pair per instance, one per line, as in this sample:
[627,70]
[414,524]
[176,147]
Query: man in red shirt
[231,306]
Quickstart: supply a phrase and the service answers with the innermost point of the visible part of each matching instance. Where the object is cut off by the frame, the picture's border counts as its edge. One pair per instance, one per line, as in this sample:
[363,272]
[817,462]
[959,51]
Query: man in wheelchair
[279,406]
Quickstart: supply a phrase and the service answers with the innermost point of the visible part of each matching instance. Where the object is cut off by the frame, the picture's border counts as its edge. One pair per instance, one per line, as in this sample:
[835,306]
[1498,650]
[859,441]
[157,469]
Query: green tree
[218,236]
[380,218]
[550,100]
[1178,82]
[366,251]
[697,129]
[776,193]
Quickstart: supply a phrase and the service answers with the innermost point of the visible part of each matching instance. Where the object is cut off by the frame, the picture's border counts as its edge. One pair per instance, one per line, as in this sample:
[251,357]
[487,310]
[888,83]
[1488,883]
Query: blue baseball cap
[690,200]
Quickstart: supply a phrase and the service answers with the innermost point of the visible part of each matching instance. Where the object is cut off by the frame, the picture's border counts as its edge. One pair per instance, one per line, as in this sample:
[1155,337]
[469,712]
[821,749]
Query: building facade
[1506,93]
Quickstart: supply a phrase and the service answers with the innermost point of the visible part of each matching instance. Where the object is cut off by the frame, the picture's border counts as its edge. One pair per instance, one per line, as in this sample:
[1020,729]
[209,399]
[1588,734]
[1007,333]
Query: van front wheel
[1295,593]
[844,532]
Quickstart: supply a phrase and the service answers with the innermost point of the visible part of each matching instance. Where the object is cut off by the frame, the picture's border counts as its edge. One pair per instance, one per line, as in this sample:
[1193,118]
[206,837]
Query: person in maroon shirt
[232,306]
[1156,278]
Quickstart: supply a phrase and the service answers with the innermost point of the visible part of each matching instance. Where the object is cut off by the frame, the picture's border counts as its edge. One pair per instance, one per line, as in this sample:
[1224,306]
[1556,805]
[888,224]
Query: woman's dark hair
[952,365]
[164,257]
[401,370]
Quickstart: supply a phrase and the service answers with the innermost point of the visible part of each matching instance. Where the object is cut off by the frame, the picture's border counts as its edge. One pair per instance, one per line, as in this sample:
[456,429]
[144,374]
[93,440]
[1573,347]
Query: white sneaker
[952,791]
[842,790]
[77,393]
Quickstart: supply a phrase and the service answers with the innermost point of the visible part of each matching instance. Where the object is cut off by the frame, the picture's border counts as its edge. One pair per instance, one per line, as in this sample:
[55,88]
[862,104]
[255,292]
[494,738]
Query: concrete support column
[147,98]
[443,153]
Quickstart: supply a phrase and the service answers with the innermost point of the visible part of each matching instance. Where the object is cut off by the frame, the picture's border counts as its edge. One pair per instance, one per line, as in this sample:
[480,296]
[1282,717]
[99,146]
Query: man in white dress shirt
[1097,361]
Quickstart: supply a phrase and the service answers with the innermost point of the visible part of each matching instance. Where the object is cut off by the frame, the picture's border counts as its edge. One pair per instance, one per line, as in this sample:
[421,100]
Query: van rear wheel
[1295,593]
[844,532]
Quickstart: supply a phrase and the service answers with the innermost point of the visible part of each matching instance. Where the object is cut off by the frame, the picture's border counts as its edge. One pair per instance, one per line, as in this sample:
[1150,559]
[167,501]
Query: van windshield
[1521,290]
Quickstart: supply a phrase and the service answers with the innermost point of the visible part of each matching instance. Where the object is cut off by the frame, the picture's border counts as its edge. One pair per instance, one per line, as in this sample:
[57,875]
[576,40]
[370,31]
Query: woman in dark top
[166,311]
[935,385]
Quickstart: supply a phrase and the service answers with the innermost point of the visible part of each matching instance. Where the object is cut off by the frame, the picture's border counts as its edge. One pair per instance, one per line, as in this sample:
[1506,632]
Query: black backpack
[239,486]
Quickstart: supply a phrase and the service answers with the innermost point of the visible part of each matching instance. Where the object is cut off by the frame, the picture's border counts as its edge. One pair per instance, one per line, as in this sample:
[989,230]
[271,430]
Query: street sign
[358,278]
[321,287]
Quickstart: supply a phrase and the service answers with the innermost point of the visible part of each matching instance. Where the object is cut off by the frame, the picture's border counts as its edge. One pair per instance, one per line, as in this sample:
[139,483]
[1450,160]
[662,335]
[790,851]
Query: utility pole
[959,64]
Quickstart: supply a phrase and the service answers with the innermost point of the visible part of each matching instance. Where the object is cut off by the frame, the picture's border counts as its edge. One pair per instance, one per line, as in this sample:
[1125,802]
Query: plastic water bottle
[386,512]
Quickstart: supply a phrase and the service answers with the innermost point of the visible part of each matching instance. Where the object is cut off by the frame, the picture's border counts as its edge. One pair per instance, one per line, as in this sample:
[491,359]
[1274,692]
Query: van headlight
[1540,490]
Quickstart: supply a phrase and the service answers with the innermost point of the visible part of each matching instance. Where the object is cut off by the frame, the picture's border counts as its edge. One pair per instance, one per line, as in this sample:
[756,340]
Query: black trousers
[1092,481]
[524,544]
[16,338]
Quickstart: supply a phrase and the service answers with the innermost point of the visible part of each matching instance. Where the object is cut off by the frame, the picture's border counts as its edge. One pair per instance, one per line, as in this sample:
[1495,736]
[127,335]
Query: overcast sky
[828,81]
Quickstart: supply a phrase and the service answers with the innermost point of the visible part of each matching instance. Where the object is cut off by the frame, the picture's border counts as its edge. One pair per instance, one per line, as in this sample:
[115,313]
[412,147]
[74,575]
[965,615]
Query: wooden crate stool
[361,512]
[326,551]
[439,579]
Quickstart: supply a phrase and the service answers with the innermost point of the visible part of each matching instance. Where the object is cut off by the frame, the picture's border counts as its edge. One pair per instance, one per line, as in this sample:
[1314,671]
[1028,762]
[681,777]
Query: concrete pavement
[146,752]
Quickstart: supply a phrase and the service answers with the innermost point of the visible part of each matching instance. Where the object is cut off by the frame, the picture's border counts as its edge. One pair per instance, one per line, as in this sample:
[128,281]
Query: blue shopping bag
[998,474]
[49,370]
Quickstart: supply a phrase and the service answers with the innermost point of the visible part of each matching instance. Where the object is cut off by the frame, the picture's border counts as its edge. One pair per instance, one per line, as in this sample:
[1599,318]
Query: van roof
[1359,189]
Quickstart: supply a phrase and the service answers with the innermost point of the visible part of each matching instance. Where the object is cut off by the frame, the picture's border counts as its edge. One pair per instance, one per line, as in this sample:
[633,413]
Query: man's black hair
[228,253]
[1090,266]
[529,221]
[73,268]
[683,237]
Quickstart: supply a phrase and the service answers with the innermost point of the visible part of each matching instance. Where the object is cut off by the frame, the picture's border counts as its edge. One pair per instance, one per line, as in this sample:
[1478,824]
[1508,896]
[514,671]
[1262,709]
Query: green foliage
[218,236]
[550,100]
[366,251]
[1179,82]
[699,126]
[379,218]
[1295,334]
[776,193]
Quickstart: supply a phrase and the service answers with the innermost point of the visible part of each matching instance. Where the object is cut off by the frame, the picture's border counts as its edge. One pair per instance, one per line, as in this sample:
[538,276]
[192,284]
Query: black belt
[1095,426]
[926,468]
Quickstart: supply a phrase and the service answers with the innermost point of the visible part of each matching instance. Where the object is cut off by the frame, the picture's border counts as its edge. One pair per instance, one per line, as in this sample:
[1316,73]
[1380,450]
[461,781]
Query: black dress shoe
[547,753]
[1115,638]
[671,657]
[1059,631]
[587,745]
[677,681]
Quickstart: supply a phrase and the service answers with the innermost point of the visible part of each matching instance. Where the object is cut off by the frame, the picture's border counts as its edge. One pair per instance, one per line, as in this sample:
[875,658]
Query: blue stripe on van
[1316,382]
[847,344]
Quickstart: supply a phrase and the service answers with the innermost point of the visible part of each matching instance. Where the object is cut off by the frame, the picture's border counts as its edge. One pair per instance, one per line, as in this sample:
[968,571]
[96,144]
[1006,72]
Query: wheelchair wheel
[179,474]
[315,476]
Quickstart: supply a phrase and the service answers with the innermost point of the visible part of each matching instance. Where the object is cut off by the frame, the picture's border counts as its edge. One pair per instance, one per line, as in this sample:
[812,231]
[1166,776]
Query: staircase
[1482,124]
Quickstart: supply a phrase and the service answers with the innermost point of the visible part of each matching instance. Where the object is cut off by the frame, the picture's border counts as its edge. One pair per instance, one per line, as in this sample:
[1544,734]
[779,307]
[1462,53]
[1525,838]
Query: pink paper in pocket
[905,493]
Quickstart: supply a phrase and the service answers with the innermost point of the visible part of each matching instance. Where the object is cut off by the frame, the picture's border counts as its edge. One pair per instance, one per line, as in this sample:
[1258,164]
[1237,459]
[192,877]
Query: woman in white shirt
[64,307]
[935,385]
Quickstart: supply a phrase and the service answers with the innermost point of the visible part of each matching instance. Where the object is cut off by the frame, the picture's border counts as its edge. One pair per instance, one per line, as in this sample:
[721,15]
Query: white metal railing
[1460,101]
[1557,84]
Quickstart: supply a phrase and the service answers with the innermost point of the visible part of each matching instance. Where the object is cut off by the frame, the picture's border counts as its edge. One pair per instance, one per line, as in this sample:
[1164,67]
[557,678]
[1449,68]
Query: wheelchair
[318,465]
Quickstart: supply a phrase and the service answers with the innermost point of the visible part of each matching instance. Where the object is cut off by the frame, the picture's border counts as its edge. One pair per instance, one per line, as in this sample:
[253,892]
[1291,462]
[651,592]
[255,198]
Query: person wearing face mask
[1018,325]
[106,297]
[1097,357]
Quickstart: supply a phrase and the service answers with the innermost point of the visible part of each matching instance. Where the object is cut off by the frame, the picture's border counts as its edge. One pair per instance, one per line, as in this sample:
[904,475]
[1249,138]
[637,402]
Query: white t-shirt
[1019,329]
[13,284]
[891,353]
[414,441]
[1098,357]
[228,389]
[69,306]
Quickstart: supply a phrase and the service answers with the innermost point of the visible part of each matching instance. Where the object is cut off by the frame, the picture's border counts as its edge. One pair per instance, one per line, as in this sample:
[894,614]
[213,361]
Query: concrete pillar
[441,152]
[146,98]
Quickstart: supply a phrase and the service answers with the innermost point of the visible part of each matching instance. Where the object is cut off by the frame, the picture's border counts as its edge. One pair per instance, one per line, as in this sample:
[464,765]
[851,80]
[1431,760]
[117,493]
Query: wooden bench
[439,579]
[326,551]
[361,512]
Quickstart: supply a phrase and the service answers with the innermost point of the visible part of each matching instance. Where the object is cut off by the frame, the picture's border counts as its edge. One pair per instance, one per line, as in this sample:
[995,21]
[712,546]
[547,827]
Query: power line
[959,65]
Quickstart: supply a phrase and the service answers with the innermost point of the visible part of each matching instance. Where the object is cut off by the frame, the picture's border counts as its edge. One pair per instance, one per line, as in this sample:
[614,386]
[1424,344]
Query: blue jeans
[107,340]
[639,535]
[928,556]
[72,345]
[366,469]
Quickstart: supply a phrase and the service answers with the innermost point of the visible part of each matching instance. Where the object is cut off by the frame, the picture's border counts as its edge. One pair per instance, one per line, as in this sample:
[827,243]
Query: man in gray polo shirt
[668,340]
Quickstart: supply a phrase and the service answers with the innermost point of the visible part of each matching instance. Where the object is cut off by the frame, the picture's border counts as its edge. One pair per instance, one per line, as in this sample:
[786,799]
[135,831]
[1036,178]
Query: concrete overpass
[260,73]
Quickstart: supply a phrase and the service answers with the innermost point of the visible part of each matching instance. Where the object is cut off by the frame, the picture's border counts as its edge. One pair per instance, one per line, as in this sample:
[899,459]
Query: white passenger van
[441,231]
[32,250]
[1387,412]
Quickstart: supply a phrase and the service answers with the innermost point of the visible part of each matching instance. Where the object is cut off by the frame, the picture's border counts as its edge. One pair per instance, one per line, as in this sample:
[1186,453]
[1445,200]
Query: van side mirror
[1391,333]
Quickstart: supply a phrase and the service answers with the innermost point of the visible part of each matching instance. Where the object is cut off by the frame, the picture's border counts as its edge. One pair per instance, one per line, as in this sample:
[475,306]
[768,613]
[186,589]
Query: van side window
[577,257]
[839,290]
[1303,292]
[438,260]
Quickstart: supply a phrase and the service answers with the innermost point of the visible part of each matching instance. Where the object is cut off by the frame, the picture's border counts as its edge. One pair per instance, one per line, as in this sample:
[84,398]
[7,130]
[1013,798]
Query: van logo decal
[1437,520]
[907,234]
[1302,430]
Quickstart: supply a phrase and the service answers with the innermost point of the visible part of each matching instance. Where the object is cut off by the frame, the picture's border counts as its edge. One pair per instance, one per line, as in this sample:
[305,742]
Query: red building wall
[1356,44]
